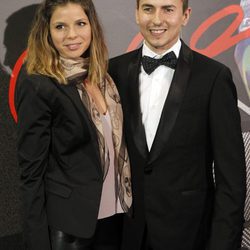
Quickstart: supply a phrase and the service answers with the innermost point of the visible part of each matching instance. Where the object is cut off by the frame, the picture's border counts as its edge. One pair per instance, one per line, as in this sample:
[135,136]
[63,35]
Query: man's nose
[157,19]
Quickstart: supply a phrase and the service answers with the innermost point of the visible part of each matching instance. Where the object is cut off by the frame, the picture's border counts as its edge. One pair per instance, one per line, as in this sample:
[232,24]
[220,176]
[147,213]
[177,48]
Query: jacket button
[148,170]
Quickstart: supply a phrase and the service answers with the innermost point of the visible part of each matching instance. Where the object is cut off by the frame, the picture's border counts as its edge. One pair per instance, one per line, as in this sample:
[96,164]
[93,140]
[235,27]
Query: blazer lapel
[133,104]
[71,91]
[173,102]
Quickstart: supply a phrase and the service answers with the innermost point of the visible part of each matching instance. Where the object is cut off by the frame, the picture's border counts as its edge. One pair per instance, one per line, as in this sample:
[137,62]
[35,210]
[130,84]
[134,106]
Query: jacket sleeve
[229,165]
[34,121]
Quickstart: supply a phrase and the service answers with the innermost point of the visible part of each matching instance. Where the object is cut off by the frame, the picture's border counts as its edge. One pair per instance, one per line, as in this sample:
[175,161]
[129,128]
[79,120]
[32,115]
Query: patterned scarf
[77,70]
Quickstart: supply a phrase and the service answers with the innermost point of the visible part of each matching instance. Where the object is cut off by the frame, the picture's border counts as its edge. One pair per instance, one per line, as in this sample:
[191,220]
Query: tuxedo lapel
[173,102]
[71,92]
[133,104]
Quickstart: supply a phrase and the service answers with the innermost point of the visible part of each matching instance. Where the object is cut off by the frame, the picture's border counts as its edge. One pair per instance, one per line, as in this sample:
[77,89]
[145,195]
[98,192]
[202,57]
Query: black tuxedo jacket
[174,191]
[59,158]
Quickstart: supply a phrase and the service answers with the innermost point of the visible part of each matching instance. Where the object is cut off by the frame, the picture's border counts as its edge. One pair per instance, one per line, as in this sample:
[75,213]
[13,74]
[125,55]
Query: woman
[75,168]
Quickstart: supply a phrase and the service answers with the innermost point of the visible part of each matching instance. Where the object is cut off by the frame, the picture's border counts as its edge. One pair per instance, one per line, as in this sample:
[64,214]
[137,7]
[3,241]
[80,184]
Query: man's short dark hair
[185,4]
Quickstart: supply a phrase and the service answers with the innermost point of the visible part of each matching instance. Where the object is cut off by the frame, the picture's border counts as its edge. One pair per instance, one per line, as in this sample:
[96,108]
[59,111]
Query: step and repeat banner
[219,29]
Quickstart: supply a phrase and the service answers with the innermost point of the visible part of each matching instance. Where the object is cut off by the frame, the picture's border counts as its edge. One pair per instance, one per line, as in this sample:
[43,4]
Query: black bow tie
[150,64]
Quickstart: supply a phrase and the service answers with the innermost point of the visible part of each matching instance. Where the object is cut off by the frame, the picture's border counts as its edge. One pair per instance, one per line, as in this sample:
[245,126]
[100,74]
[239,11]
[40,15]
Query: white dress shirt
[153,91]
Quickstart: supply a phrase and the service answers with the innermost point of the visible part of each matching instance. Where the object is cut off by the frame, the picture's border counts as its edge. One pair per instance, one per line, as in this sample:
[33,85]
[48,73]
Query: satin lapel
[71,91]
[173,102]
[133,102]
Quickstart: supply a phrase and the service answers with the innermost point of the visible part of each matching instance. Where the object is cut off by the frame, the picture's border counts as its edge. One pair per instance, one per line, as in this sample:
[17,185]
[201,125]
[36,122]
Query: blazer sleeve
[34,121]
[229,165]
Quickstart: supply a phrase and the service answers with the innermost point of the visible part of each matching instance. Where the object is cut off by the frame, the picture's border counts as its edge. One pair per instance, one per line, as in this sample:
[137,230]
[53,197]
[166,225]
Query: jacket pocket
[58,188]
[193,192]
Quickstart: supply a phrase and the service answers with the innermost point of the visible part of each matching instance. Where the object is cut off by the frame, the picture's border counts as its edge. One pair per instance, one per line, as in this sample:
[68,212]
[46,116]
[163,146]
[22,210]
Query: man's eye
[147,9]
[169,10]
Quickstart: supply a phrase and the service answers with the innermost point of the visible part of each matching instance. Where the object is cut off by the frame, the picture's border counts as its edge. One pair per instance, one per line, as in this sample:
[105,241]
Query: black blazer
[59,158]
[174,192]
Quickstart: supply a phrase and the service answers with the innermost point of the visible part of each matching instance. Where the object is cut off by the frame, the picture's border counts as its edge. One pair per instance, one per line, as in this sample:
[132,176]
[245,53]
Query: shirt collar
[146,51]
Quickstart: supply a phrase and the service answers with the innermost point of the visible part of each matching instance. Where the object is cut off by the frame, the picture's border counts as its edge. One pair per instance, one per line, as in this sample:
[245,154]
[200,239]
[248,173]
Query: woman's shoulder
[36,84]
[36,81]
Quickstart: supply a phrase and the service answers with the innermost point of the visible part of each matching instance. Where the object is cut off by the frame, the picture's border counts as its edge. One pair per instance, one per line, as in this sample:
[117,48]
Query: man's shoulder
[201,59]
[204,60]
[125,57]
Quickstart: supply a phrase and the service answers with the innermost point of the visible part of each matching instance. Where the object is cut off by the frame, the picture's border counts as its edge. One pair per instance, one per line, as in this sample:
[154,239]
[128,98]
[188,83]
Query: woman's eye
[59,26]
[81,23]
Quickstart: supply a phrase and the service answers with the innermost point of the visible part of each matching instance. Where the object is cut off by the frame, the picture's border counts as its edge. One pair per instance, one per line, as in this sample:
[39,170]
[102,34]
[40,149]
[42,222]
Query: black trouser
[107,237]
[146,245]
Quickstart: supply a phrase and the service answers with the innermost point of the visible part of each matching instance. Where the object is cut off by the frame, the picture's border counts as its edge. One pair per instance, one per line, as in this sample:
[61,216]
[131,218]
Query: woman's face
[70,30]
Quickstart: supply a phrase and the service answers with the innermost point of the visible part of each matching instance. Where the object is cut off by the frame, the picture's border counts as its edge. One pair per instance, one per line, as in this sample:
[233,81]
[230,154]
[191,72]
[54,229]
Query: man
[180,119]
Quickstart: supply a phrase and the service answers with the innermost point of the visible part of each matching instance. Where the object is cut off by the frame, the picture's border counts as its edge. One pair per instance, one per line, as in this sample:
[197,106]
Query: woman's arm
[34,125]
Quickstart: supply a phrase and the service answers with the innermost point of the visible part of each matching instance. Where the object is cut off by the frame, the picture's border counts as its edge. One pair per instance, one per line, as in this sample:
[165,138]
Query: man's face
[160,22]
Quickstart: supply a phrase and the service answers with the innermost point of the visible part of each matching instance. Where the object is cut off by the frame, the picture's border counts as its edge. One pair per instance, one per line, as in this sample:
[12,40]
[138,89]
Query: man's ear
[186,16]
[137,16]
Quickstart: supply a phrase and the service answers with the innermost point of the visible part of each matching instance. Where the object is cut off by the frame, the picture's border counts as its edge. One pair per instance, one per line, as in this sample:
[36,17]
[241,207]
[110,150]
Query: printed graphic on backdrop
[220,29]
[219,46]
[222,34]
[242,49]
[14,41]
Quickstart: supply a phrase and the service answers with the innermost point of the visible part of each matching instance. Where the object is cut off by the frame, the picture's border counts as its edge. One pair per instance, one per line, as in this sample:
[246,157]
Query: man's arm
[229,165]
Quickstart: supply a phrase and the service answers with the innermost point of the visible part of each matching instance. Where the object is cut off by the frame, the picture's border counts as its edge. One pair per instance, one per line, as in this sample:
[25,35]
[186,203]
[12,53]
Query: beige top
[110,203]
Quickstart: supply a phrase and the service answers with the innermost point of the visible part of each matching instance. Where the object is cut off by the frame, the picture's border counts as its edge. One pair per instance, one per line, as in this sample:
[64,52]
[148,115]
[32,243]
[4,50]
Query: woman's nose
[72,33]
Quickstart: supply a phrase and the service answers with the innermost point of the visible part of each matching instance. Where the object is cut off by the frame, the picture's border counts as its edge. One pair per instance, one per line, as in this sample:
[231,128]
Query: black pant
[107,237]
[146,244]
